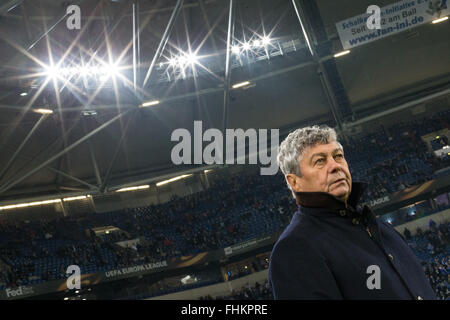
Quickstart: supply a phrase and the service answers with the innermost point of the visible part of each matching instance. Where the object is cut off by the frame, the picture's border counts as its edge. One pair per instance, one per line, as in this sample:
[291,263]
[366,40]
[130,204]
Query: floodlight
[172,61]
[191,58]
[241,84]
[440,20]
[44,111]
[149,103]
[342,53]
[52,72]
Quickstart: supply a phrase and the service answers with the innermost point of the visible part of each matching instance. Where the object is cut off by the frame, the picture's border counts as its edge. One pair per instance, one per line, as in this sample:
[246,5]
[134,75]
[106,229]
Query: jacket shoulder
[297,267]
[297,238]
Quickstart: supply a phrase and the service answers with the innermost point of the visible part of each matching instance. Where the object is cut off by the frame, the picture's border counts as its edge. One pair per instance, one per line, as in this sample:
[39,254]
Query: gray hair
[292,148]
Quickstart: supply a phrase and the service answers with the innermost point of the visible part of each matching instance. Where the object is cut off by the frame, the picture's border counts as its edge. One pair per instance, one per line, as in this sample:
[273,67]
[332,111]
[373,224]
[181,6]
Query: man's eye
[340,155]
[321,159]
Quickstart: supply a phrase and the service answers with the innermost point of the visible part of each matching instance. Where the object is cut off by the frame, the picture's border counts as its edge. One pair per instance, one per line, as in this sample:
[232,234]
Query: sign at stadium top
[257,146]
[394,18]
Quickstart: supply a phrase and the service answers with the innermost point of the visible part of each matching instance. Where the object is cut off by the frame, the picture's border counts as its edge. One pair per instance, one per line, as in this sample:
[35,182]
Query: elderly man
[332,249]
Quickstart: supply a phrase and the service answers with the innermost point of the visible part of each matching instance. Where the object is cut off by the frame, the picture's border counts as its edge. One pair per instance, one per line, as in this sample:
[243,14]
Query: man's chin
[341,194]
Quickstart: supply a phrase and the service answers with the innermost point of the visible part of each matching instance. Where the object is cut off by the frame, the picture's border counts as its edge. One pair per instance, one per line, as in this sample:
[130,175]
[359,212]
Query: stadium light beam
[173,179]
[29,204]
[149,103]
[241,84]
[76,198]
[440,20]
[43,111]
[342,53]
[146,186]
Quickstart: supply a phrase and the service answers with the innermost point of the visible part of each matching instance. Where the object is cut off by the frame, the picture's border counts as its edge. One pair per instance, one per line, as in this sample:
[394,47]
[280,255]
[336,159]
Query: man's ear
[294,181]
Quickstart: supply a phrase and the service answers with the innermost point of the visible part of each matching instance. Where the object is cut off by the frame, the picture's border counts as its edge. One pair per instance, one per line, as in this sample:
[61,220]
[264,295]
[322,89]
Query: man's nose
[334,166]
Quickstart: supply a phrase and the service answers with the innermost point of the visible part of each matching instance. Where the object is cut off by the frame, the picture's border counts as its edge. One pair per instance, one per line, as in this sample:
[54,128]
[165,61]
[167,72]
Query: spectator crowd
[232,210]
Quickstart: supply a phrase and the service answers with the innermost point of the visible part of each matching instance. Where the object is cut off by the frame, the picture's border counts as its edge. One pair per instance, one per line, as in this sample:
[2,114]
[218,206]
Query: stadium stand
[234,209]
[257,292]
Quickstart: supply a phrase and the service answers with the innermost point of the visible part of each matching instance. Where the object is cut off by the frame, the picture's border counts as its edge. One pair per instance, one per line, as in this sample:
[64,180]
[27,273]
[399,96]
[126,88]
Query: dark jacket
[325,252]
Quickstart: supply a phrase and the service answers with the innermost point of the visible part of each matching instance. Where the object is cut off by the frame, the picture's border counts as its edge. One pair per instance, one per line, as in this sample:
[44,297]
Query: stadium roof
[98,137]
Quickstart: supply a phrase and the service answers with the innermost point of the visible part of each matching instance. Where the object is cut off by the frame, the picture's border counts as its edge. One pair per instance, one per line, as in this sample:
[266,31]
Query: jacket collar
[328,201]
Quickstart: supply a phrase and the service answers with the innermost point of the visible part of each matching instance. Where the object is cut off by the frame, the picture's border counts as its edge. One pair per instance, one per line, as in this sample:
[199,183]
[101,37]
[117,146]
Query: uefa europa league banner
[407,196]
[91,279]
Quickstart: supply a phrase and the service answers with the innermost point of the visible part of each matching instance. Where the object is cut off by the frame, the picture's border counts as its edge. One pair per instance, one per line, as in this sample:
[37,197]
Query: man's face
[324,169]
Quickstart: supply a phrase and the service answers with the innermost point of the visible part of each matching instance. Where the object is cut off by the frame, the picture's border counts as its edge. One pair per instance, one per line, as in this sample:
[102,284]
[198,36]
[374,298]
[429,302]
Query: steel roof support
[116,152]
[226,93]
[164,39]
[91,186]
[8,165]
[135,16]
[46,32]
[63,152]
[322,70]
[10,5]
[94,161]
